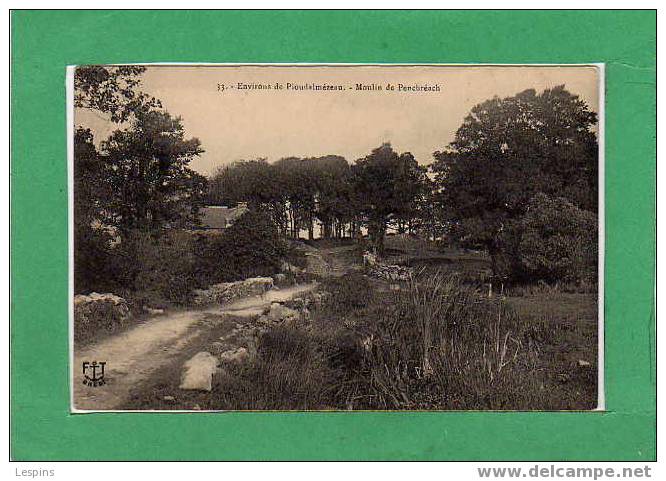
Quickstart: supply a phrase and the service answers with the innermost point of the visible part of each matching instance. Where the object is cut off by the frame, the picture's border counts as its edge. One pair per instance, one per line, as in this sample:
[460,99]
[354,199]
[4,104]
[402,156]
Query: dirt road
[133,355]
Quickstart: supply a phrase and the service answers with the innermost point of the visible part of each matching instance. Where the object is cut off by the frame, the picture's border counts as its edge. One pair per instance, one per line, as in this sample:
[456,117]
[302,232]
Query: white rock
[198,373]
[279,312]
[238,355]
[154,312]
[279,277]
[583,363]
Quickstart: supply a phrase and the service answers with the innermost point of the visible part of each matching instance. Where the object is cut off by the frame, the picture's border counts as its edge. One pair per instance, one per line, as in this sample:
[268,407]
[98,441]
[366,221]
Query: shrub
[289,372]
[558,241]
[346,293]
[250,247]
[155,269]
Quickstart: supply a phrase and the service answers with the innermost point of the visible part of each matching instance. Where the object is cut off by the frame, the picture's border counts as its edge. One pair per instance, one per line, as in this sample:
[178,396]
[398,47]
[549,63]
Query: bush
[558,242]
[288,373]
[157,270]
[347,293]
[251,247]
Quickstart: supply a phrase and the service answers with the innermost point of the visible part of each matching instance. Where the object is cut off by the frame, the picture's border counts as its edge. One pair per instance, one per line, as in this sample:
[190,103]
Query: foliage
[386,184]
[156,270]
[132,190]
[112,90]
[289,373]
[149,176]
[558,241]
[346,294]
[295,191]
[91,239]
[251,247]
[442,345]
[96,320]
[508,150]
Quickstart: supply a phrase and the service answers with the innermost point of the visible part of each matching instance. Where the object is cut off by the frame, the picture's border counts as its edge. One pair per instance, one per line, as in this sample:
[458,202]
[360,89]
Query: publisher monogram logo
[93,373]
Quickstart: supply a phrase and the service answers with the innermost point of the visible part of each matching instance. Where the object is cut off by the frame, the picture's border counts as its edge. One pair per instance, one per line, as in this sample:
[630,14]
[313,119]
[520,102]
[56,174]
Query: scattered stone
[369,259]
[198,372]
[278,312]
[238,355]
[196,407]
[583,363]
[230,291]
[218,347]
[169,398]
[153,311]
[279,277]
[391,272]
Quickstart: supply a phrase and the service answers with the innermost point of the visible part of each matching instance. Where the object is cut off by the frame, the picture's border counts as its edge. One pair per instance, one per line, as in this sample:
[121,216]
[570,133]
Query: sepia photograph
[341,237]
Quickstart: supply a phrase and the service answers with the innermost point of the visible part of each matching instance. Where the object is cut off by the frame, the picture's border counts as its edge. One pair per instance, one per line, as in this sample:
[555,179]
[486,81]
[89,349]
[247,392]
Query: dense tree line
[383,189]
[531,151]
[519,180]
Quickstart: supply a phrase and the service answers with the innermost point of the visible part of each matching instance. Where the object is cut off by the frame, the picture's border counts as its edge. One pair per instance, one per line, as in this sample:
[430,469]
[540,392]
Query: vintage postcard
[336,237]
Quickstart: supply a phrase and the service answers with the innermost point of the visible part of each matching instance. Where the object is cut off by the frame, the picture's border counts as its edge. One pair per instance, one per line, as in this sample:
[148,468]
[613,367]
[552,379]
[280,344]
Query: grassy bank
[437,343]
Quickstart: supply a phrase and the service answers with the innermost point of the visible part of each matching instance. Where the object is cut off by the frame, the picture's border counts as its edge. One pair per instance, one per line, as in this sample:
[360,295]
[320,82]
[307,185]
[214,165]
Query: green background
[43,43]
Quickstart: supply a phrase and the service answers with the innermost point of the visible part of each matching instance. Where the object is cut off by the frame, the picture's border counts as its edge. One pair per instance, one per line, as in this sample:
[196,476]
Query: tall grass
[436,344]
[443,345]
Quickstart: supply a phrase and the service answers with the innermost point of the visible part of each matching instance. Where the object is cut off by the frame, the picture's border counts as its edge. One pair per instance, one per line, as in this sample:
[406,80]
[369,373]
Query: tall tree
[149,174]
[91,238]
[506,151]
[331,177]
[255,182]
[386,185]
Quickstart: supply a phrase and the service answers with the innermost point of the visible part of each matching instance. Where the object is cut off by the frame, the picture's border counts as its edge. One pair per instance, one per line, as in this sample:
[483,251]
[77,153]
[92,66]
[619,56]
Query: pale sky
[248,124]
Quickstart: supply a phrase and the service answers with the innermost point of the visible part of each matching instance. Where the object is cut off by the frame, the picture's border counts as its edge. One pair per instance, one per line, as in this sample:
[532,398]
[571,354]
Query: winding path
[133,355]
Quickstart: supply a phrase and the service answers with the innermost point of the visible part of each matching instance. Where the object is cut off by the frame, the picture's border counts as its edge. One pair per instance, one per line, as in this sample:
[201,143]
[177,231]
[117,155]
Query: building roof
[220,217]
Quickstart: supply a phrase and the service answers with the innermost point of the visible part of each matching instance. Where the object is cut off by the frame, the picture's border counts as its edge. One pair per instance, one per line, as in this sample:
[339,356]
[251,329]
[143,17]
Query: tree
[557,241]
[255,182]
[299,186]
[135,184]
[91,239]
[334,204]
[293,190]
[112,90]
[386,185]
[508,150]
[147,168]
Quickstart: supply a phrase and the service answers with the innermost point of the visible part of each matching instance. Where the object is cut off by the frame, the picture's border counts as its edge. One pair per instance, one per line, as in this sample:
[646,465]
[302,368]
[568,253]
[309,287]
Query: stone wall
[96,314]
[229,291]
